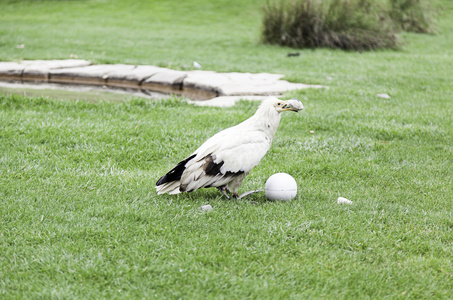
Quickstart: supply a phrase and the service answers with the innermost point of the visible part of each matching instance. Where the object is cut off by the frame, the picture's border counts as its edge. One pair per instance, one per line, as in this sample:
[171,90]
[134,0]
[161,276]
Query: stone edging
[197,85]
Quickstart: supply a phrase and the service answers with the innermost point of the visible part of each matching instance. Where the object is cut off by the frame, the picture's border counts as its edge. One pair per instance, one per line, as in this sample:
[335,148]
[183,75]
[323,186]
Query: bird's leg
[247,193]
[224,190]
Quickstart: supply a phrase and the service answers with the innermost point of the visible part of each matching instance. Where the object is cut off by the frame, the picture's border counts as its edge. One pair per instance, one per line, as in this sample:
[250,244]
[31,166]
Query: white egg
[281,187]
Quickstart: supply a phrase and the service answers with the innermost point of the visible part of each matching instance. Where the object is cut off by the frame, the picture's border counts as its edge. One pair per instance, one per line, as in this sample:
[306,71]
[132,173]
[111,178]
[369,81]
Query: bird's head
[288,105]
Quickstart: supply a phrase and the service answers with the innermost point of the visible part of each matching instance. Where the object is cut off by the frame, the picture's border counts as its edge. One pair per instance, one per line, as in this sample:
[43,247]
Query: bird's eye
[279,103]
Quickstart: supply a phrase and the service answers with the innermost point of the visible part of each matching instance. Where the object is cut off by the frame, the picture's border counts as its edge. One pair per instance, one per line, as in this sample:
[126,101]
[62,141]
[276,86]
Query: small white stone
[385,96]
[311,131]
[196,65]
[206,207]
[342,200]
[295,103]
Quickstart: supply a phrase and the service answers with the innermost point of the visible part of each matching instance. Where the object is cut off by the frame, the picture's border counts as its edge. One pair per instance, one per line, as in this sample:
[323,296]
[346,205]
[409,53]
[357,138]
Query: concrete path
[222,89]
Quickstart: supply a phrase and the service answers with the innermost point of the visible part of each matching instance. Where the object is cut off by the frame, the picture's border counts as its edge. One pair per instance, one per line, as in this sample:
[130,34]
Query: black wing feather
[175,173]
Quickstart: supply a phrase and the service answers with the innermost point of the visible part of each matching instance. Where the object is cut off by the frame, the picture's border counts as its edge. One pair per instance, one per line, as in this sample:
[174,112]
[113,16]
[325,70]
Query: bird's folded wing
[239,152]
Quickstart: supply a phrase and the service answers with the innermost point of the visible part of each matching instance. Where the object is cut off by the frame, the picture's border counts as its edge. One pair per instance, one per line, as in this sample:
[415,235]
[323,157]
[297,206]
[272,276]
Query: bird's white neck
[265,119]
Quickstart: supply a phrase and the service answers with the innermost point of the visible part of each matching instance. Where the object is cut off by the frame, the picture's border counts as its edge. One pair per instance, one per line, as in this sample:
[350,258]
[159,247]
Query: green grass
[79,217]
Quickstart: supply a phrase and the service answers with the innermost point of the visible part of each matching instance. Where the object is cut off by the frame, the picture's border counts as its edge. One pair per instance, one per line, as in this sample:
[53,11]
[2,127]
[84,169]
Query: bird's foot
[224,190]
[247,193]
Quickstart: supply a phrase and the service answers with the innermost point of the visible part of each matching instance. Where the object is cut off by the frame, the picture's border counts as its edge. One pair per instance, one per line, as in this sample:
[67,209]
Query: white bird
[225,159]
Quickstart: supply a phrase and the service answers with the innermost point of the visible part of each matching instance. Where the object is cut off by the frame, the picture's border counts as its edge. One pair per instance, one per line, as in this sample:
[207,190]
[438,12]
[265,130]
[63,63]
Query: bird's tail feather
[169,187]
[170,182]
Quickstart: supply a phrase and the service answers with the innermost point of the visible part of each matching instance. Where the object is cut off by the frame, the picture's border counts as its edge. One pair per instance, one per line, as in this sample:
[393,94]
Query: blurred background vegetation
[344,24]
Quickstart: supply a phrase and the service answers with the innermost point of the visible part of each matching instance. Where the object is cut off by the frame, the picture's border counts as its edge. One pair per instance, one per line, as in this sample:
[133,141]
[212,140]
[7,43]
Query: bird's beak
[292,105]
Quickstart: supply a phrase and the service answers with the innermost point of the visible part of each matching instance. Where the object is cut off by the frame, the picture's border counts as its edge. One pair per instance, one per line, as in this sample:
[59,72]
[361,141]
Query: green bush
[358,25]
[343,24]
[411,15]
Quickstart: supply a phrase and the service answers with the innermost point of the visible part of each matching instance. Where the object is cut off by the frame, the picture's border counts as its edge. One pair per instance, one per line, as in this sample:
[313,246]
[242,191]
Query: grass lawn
[79,217]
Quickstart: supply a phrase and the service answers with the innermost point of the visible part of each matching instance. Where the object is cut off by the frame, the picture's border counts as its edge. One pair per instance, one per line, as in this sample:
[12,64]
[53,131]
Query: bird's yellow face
[289,105]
